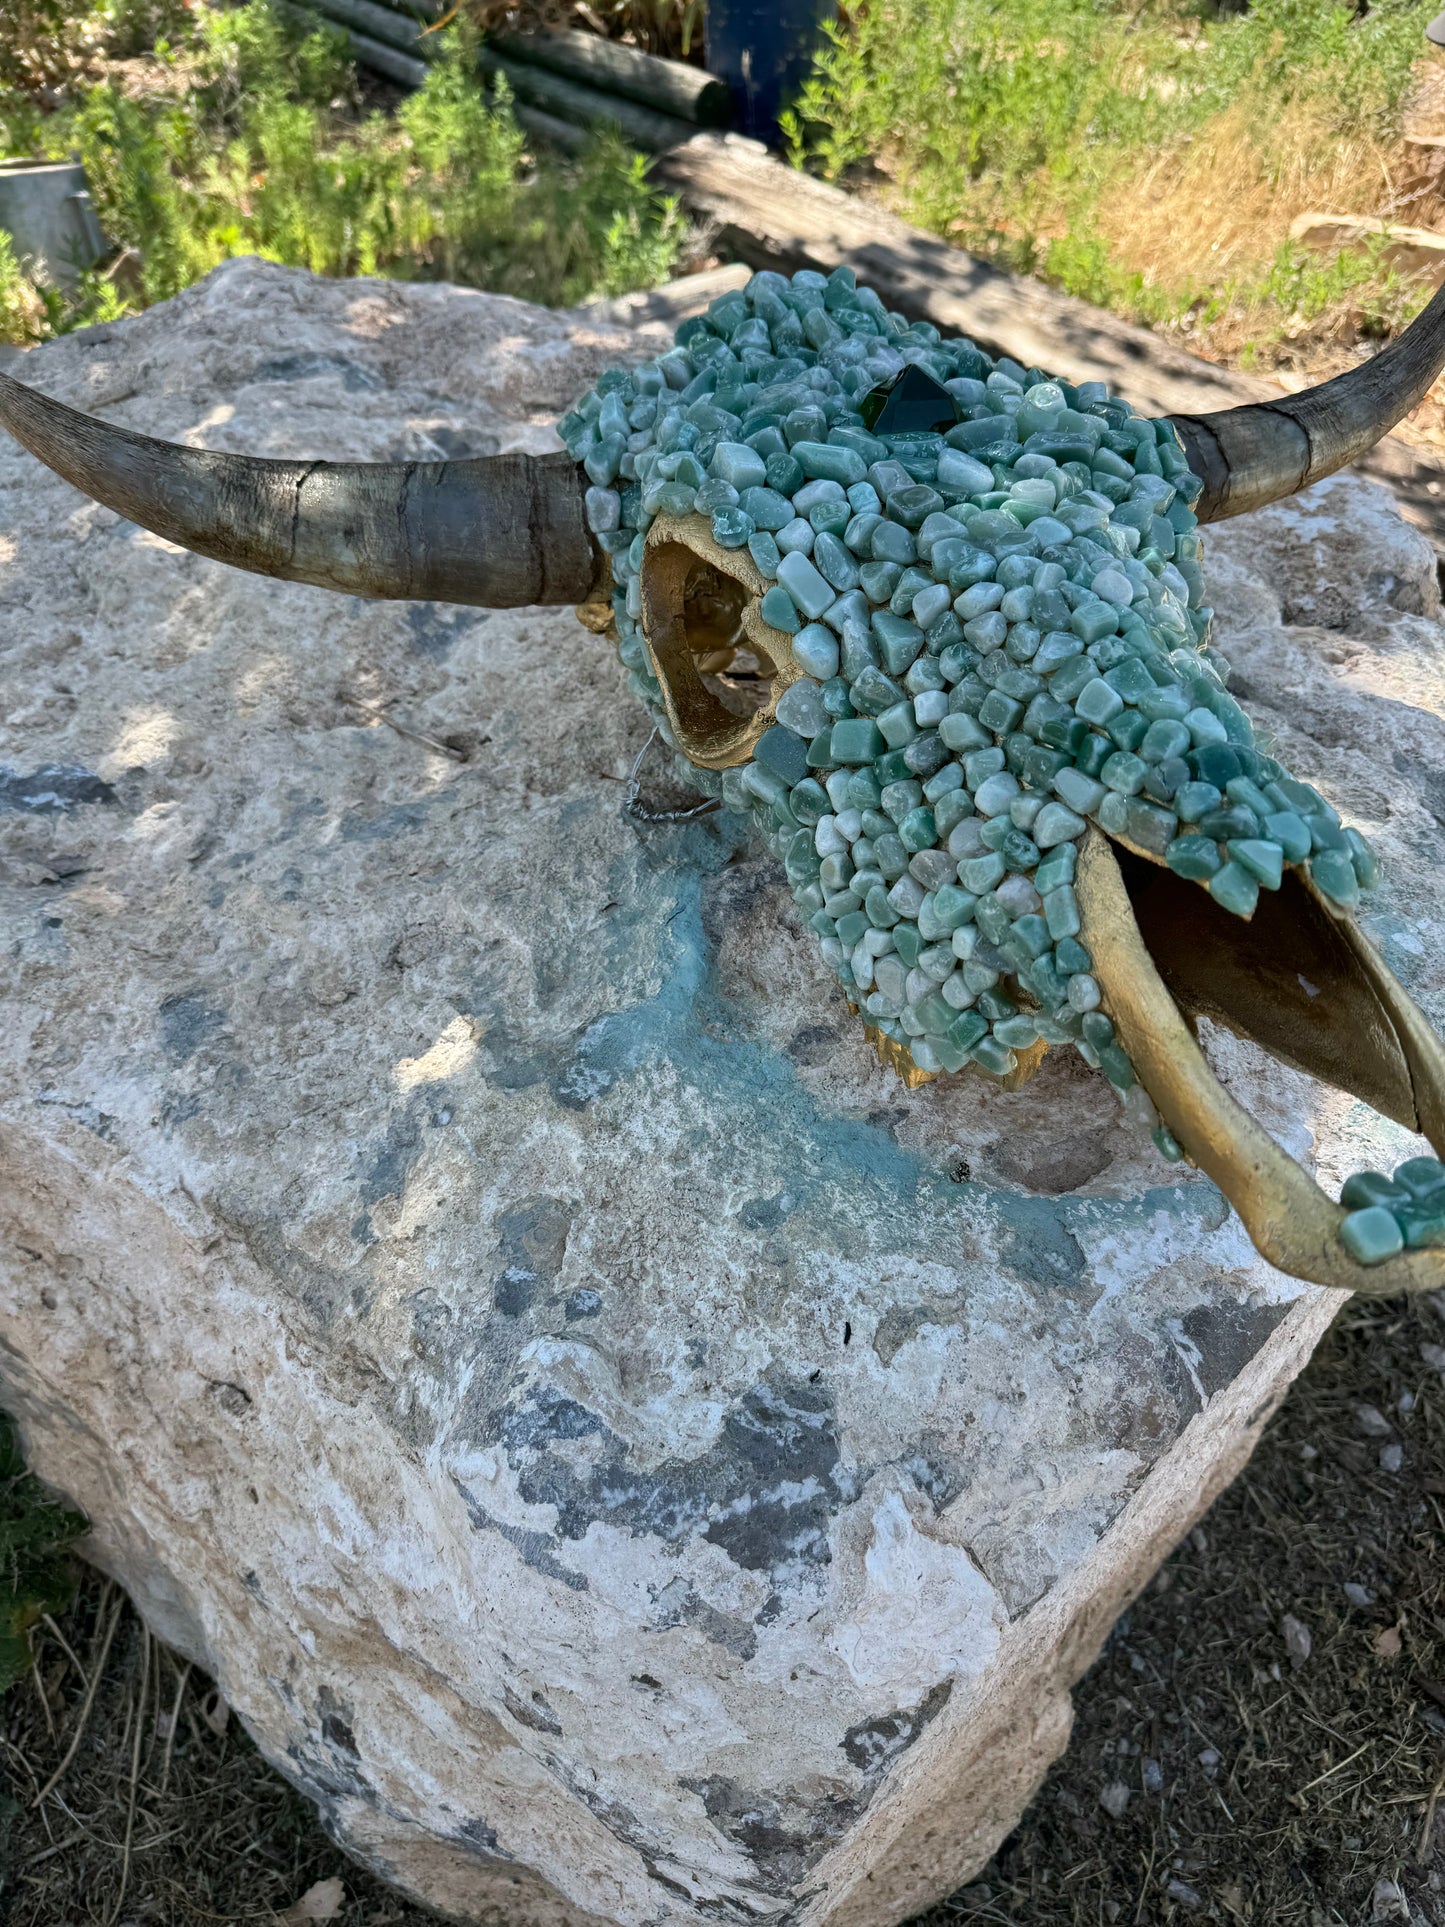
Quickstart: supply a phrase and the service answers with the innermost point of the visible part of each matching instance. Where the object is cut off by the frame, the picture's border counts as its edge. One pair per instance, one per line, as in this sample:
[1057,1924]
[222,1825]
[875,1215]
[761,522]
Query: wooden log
[772,216]
[668,86]
[589,106]
[365,51]
[382,24]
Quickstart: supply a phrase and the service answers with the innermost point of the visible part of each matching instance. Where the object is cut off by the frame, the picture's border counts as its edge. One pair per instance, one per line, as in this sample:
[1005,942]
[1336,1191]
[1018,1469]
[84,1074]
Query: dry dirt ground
[1263,1739]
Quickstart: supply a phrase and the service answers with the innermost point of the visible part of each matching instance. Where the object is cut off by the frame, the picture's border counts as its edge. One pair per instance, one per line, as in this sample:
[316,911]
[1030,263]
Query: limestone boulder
[624,1456]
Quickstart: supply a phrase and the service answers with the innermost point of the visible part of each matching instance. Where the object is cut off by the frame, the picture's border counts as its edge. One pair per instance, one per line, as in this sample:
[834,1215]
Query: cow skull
[1196,879]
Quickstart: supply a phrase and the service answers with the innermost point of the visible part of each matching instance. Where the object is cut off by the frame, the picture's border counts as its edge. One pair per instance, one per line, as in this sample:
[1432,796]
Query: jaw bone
[1166,956]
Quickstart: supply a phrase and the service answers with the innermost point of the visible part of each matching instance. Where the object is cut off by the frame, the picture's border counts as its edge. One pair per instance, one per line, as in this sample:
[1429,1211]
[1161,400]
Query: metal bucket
[46,209]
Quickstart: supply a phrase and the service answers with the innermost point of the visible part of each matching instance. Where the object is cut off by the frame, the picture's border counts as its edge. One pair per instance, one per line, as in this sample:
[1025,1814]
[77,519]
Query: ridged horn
[1256,454]
[497,532]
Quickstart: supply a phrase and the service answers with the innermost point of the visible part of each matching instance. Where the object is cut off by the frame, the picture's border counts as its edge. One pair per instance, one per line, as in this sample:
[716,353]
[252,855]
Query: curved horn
[1252,455]
[497,532]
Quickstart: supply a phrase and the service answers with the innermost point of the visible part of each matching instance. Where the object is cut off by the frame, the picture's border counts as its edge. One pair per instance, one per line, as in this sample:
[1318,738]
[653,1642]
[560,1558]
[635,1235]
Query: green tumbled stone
[917,830]
[999,712]
[1128,730]
[785,474]
[1195,800]
[1061,908]
[1263,860]
[1072,958]
[1372,1187]
[764,551]
[881,913]
[1234,889]
[1059,866]
[1194,857]
[1167,1144]
[900,642]
[872,692]
[805,585]
[829,462]
[1149,826]
[820,751]
[913,506]
[1092,621]
[1033,933]
[1334,874]
[1371,1235]
[1423,1224]
[829,518]
[966,1029]
[908,943]
[1016,1032]
[1124,772]
[785,754]
[852,926]
[1420,1176]
[950,809]
[1291,833]
[897,725]
[856,740]
[1367,866]
[892,768]
[810,801]
[994,1057]
[778,609]
[1114,1063]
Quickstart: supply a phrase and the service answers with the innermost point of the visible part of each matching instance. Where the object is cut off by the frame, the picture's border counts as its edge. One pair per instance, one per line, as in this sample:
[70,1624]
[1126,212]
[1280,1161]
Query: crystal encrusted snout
[937,622]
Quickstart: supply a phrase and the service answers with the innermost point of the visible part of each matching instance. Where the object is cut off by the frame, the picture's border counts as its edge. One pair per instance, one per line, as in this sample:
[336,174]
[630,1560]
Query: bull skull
[938,623]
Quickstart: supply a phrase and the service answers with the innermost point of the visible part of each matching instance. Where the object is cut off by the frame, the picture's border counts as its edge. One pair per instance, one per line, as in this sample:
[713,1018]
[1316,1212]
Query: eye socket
[716,680]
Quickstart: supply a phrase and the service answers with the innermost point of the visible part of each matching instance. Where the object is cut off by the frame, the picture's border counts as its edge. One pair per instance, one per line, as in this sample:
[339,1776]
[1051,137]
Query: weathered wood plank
[770,215]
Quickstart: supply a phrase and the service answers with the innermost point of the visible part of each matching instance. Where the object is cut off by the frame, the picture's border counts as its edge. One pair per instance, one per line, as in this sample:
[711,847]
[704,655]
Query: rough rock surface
[624,1456]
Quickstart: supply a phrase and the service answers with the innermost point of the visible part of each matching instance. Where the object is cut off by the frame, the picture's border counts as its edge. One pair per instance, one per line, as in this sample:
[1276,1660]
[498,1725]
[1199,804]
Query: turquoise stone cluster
[1389,1215]
[992,581]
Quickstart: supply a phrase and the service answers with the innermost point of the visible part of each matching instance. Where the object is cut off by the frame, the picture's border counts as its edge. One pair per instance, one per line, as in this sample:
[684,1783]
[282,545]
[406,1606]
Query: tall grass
[1139,155]
[242,145]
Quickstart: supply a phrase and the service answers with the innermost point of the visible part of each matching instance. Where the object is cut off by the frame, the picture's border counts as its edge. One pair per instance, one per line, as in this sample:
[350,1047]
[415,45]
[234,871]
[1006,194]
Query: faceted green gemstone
[1371,1235]
[1233,888]
[1334,874]
[1263,860]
